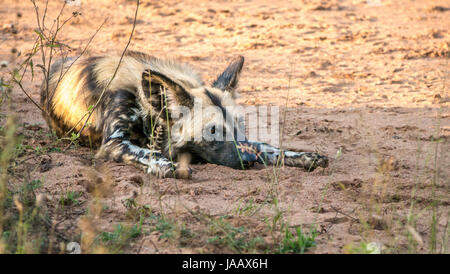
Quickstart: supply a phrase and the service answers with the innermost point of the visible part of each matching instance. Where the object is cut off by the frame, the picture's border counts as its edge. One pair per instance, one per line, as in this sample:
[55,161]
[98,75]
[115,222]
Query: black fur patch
[229,78]
[112,106]
[159,80]
[216,101]
[88,74]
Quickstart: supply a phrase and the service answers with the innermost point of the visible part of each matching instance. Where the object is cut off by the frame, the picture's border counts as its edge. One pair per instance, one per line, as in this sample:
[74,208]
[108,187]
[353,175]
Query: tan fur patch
[71,101]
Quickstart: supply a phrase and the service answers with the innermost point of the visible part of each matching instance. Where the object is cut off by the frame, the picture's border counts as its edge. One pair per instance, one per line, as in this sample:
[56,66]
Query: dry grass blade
[89,114]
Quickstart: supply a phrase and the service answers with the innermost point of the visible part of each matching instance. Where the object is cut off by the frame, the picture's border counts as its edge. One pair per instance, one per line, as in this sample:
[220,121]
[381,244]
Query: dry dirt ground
[363,82]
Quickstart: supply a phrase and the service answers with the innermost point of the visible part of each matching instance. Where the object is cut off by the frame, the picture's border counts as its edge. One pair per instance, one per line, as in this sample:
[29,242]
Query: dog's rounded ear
[156,84]
[228,80]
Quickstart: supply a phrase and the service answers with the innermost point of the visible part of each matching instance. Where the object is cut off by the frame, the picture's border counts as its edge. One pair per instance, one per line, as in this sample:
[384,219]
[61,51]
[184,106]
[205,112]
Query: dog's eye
[213,130]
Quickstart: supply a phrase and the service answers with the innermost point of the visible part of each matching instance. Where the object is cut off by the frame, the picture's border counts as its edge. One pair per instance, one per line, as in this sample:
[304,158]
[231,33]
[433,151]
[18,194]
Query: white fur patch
[117,134]
[148,159]
[291,154]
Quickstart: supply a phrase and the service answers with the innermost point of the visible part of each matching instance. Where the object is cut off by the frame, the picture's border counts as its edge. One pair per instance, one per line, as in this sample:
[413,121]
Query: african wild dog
[132,122]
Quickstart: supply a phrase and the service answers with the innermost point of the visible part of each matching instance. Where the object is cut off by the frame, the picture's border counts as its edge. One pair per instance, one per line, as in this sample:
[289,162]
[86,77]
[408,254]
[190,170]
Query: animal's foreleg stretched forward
[270,155]
[149,160]
[117,145]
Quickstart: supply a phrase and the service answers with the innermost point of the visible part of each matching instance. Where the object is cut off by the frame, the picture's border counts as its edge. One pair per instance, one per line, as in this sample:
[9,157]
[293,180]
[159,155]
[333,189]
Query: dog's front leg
[270,155]
[117,145]
[123,151]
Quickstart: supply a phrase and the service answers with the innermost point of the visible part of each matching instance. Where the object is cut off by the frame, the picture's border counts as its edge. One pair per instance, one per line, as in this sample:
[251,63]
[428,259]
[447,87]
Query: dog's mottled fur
[132,122]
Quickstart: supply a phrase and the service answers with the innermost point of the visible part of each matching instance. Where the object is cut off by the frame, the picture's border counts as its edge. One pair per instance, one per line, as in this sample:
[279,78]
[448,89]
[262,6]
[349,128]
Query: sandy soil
[366,78]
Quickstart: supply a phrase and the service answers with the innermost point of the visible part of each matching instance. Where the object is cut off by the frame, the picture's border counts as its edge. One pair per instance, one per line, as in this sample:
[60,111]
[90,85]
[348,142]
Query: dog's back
[75,87]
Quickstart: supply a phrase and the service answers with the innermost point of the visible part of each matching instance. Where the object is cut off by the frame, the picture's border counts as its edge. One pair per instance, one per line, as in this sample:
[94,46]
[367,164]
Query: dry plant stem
[44,41]
[112,78]
[29,97]
[41,44]
[42,36]
[345,214]
[62,74]
[280,159]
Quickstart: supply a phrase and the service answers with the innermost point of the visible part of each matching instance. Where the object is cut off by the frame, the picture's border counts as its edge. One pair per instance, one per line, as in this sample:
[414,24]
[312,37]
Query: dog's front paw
[183,172]
[307,160]
[170,170]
